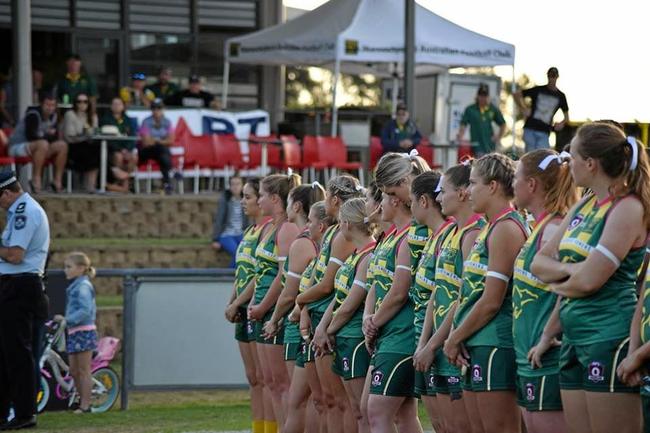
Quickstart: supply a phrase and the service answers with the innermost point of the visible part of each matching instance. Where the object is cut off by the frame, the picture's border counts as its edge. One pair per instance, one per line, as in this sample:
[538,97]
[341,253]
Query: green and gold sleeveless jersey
[397,335]
[448,280]
[291,329]
[418,236]
[245,258]
[532,304]
[266,263]
[372,262]
[605,315]
[343,283]
[320,305]
[645,318]
[498,331]
[424,282]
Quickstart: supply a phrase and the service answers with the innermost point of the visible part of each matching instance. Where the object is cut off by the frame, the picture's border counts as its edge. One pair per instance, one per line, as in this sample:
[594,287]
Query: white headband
[439,187]
[635,153]
[8,182]
[560,158]
[315,184]
[411,155]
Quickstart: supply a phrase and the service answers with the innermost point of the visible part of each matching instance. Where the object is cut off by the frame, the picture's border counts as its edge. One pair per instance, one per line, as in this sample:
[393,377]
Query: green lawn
[160,412]
[109,301]
[167,412]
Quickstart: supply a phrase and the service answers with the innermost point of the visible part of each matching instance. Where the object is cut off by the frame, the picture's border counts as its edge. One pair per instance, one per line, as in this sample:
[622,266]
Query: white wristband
[337,261]
[607,253]
[293,274]
[498,275]
[282,258]
[403,267]
[359,283]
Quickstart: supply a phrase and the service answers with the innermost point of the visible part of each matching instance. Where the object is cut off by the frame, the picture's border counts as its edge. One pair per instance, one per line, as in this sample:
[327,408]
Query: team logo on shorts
[432,380]
[304,348]
[249,328]
[346,364]
[476,373]
[377,377]
[596,370]
[575,222]
[530,392]
[453,380]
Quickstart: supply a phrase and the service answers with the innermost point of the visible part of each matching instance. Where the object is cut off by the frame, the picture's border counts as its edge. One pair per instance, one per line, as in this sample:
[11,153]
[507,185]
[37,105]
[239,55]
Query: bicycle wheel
[43,395]
[106,387]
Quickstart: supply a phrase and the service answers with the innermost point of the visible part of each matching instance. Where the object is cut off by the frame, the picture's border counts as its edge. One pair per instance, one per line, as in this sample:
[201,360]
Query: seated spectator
[230,220]
[193,97]
[157,134]
[36,136]
[75,82]
[137,95]
[121,153]
[79,124]
[163,88]
[400,134]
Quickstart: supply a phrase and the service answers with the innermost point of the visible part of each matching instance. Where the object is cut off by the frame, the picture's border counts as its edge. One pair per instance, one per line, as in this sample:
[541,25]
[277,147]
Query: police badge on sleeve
[20,221]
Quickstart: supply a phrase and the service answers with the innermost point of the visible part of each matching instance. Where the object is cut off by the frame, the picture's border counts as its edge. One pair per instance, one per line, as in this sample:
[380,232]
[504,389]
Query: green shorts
[592,367]
[540,393]
[291,351]
[424,383]
[393,375]
[449,385]
[244,329]
[305,354]
[491,369]
[278,339]
[351,358]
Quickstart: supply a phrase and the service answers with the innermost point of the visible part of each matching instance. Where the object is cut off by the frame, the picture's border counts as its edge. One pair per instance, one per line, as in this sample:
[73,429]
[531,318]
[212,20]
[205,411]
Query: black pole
[409,56]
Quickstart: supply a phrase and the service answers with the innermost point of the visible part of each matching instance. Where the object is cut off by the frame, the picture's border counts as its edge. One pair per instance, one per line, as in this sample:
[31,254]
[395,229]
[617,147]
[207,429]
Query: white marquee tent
[357,36]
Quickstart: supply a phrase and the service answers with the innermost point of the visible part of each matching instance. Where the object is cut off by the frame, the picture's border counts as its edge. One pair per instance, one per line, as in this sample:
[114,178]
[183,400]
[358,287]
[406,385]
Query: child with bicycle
[80,312]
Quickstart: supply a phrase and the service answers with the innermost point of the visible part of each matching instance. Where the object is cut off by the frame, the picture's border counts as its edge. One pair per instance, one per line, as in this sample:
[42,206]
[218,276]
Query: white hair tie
[289,171]
[366,220]
[560,158]
[359,188]
[413,153]
[315,184]
[439,187]
[635,152]
[467,162]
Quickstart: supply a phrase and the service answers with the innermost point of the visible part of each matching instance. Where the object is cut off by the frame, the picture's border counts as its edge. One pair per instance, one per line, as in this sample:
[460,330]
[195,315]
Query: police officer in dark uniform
[23,304]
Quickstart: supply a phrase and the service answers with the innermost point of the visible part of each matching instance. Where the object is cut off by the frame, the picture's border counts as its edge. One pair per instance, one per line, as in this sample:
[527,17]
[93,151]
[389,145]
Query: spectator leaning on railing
[36,136]
[157,134]
[230,220]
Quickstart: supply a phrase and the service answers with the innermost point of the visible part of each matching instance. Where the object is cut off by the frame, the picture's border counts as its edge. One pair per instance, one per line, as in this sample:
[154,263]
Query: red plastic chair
[427,153]
[335,154]
[273,152]
[311,158]
[292,155]
[376,150]
[200,155]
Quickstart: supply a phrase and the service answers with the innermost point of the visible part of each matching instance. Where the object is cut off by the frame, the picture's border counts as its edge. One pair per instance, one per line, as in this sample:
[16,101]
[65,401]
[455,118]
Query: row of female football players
[349,303]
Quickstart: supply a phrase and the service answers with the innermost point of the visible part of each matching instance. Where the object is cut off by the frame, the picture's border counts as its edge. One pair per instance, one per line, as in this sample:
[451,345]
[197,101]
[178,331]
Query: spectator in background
[137,95]
[122,157]
[545,101]
[192,97]
[157,134]
[480,116]
[79,125]
[75,82]
[37,84]
[163,88]
[400,134]
[36,136]
[6,118]
[230,221]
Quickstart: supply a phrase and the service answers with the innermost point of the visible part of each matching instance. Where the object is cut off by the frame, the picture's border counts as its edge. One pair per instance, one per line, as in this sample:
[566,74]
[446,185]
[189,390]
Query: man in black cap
[545,101]
[400,134]
[192,97]
[23,304]
[480,116]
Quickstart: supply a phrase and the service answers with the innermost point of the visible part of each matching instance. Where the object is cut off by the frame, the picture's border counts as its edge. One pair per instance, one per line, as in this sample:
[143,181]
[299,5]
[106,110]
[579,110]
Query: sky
[600,47]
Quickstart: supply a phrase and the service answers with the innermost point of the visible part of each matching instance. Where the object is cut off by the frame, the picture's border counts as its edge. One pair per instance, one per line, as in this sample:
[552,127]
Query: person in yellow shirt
[137,95]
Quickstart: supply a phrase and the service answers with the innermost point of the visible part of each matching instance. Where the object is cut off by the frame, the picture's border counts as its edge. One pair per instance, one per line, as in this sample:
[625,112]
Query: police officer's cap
[7,178]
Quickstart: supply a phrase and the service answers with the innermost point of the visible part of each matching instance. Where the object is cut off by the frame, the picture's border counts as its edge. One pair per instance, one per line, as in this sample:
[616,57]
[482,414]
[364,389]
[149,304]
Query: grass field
[166,412]
[160,412]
